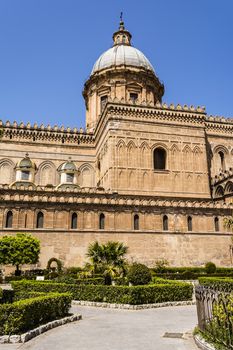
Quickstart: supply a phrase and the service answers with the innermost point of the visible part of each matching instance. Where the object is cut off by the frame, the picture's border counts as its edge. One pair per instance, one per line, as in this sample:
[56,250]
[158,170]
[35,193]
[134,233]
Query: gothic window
[133,97]
[159,159]
[222,160]
[190,223]
[136,222]
[101,221]
[103,101]
[216,224]
[40,220]
[9,219]
[70,178]
[24,175]
[165,223]
[74,221]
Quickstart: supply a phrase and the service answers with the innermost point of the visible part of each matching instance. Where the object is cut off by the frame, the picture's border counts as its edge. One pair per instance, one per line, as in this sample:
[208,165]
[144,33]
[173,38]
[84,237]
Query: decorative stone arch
[121,147]
[219,148]
[197,166]
[228,187]
[86,175]
[131,153]
[47,174]
[144,155]
[221,159]
[175,157]
[187,158]
[7,167]
[219,192]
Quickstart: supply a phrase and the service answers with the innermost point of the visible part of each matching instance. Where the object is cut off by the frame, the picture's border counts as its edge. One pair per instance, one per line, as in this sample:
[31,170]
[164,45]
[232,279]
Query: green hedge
[23,315]
[196,270]
[222,284]
[156,293]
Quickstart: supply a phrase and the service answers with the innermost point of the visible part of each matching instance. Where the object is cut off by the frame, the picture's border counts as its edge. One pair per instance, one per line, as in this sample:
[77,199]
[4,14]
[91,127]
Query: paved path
[113,329]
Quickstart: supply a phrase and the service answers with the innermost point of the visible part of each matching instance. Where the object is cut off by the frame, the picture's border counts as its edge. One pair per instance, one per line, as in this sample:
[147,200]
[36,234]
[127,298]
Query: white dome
[122,55]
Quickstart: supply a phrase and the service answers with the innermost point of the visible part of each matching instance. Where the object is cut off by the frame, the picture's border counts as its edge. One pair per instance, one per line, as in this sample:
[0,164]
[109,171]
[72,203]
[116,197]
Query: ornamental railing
[215,315]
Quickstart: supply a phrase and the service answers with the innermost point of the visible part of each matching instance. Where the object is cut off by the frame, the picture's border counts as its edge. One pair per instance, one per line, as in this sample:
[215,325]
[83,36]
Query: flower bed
[136,295]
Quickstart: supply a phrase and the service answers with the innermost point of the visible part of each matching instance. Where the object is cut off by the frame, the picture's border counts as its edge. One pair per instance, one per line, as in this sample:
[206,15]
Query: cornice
[94,197]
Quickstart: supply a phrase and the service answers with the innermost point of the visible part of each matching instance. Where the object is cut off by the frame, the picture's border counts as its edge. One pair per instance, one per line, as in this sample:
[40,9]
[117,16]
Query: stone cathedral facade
[157,177]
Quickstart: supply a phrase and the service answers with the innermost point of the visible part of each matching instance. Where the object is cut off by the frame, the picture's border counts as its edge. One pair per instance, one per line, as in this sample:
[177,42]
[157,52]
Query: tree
[107,258]
[18,250]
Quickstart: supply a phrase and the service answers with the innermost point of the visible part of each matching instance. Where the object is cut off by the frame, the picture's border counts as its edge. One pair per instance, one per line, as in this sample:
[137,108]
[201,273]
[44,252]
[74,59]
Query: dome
[122,55]
[26,163]
[68,166]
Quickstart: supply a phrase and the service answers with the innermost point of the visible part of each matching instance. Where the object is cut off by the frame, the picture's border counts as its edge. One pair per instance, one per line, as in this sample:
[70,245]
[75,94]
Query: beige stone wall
[178,249]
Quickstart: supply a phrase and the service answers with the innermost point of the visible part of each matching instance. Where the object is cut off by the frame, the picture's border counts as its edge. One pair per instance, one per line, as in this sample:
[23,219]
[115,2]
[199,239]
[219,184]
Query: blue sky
[48,48]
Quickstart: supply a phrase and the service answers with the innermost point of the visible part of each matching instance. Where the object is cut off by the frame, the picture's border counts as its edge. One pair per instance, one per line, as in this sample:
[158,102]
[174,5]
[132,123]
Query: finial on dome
[122,36]
[122,26]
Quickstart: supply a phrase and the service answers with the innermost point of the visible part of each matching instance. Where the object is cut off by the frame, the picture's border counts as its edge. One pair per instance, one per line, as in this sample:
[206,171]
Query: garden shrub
[210,267]
[217,283]
[58,267]
[23,315]
[219,329]
[139,274]
[27,295]
[173,291]
[73,270]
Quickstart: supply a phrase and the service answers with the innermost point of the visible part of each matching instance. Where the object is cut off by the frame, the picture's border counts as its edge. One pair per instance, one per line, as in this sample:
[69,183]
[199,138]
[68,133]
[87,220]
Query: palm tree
[108,258]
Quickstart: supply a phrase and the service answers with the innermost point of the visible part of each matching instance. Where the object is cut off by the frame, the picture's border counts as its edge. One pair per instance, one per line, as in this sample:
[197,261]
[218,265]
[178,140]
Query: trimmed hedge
[156,293]
[23,315]
[196,270]
[224,284]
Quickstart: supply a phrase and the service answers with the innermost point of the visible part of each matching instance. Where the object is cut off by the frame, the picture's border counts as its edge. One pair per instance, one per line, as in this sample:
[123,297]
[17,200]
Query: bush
[217,283]
[139,274]
[23,315]
[58,267]
[168,269]
[174,291]
[210,267]
[7,296]
[218,330]
[161,265]
[73,270]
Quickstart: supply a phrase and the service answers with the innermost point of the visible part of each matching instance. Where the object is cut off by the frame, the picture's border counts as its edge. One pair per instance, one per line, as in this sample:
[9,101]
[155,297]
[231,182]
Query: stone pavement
[114,329]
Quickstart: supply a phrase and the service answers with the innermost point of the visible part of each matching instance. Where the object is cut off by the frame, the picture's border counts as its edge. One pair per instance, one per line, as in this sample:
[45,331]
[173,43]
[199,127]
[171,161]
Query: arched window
[9,219]
[40,220]
[74,221]
[216,224]
[190,223]
[159,159]
[165,223]
[222,160]
[101,221]
[136,222]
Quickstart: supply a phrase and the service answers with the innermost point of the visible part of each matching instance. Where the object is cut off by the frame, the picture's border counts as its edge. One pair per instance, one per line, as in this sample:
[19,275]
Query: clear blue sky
[48,48]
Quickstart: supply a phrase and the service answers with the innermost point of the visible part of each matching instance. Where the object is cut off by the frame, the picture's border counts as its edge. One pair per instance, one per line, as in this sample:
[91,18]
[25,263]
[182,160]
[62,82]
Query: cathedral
[155,176]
